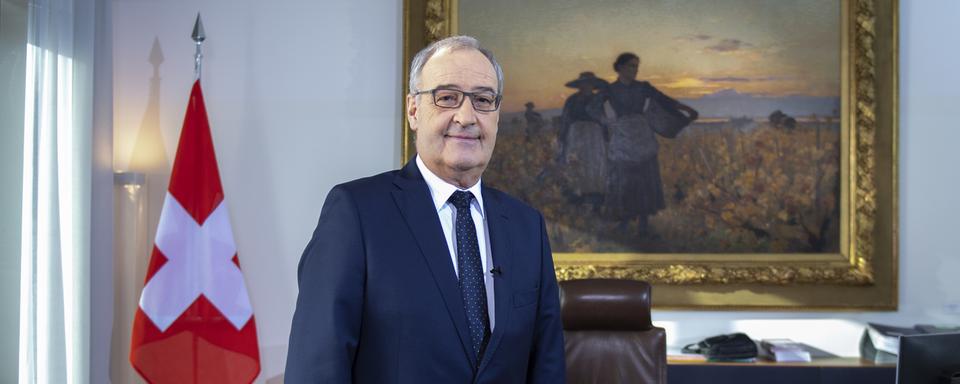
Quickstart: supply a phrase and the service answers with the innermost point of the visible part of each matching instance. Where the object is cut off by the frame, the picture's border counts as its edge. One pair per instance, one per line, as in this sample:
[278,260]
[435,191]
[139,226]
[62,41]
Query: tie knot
[461,199]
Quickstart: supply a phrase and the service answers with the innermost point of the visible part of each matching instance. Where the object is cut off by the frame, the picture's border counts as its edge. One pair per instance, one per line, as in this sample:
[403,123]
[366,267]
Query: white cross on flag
[195,323]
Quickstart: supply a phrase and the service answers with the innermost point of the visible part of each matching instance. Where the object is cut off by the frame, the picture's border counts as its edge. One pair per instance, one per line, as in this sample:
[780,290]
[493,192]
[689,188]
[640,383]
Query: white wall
[302,95]
[101,189]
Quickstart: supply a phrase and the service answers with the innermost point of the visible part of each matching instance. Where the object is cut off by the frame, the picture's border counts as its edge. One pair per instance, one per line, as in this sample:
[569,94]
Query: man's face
[458,141]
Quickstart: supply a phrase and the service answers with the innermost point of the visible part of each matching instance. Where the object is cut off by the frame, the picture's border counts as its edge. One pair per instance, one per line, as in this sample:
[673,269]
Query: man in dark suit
[424,275]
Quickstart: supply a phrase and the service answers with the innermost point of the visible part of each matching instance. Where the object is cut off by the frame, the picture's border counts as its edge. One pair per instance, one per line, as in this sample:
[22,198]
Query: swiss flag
[194,323]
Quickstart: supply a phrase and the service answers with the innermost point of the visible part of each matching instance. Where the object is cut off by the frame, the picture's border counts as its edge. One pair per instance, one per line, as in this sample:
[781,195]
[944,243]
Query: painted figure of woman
[583,140]
[634,190]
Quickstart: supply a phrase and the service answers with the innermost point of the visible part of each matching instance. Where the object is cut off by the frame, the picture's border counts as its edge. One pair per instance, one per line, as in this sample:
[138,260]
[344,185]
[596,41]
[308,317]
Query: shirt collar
[441,190]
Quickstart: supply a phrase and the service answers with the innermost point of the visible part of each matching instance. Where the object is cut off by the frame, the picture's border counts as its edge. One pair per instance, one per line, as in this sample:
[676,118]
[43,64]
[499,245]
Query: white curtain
[56,216]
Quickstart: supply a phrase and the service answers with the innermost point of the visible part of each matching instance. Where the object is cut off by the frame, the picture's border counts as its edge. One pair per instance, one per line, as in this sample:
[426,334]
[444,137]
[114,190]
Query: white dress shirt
[441,191]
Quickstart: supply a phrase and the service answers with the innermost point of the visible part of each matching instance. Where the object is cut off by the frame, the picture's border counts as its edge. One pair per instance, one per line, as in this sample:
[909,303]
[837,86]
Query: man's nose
[466,115]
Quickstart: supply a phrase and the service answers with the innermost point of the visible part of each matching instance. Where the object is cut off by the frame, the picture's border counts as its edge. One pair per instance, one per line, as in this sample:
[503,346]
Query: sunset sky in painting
[688,48]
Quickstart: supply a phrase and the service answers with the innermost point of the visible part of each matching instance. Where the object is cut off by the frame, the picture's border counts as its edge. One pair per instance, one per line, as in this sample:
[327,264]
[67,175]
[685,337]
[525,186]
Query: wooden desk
[826,371]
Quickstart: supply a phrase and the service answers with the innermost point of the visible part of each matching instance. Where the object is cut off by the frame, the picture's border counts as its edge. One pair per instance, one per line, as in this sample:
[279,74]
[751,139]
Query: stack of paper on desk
[785,350]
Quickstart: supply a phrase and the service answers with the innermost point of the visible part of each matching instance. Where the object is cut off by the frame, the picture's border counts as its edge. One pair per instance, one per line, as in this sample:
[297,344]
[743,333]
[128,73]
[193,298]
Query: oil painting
[757,171]
[736,154]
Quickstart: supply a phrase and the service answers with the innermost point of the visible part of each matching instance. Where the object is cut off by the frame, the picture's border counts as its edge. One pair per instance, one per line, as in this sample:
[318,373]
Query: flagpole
[198,37]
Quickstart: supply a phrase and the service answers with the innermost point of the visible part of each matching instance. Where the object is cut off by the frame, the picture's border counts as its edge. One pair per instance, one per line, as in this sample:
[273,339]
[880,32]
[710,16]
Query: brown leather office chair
[608,333]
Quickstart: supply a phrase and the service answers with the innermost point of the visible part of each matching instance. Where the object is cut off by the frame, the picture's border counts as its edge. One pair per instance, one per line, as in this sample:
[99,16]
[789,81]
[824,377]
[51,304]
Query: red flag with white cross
[195,323]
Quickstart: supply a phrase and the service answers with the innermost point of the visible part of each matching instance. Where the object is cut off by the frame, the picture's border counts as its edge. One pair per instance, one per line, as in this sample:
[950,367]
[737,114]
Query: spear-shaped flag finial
[198,37]
[198,34]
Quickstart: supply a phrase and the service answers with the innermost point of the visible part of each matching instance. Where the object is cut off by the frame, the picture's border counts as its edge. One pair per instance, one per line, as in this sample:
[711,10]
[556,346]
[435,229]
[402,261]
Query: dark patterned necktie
[472,288]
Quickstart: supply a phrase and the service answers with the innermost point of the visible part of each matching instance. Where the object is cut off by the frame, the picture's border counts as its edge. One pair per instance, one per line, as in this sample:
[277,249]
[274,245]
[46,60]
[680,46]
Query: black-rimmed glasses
[483,101]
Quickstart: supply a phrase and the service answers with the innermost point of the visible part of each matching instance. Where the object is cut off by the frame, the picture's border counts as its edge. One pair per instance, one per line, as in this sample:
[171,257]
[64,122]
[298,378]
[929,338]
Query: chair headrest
[605,304]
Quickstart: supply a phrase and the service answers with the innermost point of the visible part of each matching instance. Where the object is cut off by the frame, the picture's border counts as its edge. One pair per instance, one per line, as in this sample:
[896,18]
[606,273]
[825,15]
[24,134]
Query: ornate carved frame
[862,276]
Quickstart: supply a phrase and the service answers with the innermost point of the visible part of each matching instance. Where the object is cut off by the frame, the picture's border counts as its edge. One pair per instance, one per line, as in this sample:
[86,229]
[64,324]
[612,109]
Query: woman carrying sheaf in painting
[634,186]
[583,141]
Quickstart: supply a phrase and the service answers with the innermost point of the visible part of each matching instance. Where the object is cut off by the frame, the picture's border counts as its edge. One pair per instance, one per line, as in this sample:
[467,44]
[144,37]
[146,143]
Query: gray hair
[452,43]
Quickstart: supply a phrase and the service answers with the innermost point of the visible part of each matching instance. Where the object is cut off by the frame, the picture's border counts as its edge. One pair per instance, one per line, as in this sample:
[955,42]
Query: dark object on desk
[608,333]
[886,338]
[929,328]
[929,359]
[869,352]
[735,346]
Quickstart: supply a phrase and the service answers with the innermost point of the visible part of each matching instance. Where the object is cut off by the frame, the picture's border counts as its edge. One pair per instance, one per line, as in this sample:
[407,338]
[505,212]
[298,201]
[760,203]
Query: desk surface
[846,362]
[837,370]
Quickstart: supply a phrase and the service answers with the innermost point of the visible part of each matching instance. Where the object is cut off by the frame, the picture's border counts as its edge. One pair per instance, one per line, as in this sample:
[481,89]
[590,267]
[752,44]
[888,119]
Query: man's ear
[412,111]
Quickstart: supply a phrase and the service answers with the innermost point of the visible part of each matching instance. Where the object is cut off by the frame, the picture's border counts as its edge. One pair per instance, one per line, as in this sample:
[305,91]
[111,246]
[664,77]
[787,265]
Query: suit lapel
[413,200]
[498,227]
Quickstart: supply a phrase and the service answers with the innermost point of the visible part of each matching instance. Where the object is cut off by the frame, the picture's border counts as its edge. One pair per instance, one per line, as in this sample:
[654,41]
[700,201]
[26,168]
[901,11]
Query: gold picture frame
[862,276]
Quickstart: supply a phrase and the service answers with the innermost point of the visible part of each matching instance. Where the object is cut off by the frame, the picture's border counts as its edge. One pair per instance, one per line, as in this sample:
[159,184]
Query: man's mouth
[463,137]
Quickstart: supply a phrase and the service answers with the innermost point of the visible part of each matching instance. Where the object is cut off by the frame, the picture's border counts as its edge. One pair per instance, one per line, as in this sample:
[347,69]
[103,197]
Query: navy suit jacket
[379,300]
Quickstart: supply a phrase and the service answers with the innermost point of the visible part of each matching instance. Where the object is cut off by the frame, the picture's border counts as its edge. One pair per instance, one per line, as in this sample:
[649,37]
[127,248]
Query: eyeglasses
[483,101]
